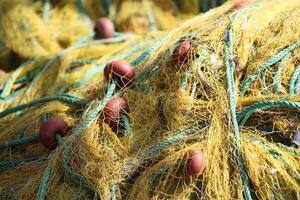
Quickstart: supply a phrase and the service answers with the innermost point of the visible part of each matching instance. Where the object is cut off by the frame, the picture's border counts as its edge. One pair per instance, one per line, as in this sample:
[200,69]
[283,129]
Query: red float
[104,28]
[239,4]
[195,163]
[181,53]
[120,71]
[113,109]
[49,129]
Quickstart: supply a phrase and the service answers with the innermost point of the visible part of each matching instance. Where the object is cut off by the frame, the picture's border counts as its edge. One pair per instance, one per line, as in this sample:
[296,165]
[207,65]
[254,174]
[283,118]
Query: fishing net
[234,97]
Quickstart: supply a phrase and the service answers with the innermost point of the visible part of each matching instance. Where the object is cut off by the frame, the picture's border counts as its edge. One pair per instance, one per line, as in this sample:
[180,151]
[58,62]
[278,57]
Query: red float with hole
[48,131]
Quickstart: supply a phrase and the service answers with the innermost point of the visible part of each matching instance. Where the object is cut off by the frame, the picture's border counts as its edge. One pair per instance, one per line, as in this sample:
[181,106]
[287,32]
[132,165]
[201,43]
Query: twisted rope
[62,98]
[14,163]
[282,54]
[293,80]
[230,67]
[278,76]
[244,114]
[19,141]
[47,174]
[69,172]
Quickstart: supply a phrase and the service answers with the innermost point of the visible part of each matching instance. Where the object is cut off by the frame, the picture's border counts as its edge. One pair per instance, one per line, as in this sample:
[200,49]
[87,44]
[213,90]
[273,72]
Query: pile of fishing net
[207,110]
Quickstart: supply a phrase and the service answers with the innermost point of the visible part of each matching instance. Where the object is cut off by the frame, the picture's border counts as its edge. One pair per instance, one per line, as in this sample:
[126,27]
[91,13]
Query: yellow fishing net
[235,98]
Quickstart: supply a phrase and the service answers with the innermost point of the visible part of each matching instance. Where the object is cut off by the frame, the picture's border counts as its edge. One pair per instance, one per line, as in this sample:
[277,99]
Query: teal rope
[152,21]
[278,156]
[278,75]
[158,173]
[105,6]
[13,75]
[77,133]
[47,174]
[14,163]
[297,86]
[113,192]
[194,86]
[244,114]
[76,46]
[293,80]
[292,150]
[63,98]
[81,62]
[19,141]
[46,11]
[230,66]
[85,38]
[159,147]
[282,54]
[125,119]
[27,77]
[185,78]
[80,7]
[147,53]
[203,7]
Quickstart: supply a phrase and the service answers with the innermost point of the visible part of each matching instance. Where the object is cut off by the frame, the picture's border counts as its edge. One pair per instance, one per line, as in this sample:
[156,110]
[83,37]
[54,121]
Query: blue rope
[19,141]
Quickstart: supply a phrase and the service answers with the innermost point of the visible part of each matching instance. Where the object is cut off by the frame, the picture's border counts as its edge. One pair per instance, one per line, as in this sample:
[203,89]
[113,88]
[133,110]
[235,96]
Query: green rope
[105,6]
[14,163]
[47,174]
[278,76]
[230,67]
[293,80]
[292,150]
[278,156]
[267,64]
[113,189]
[158,173]
[203,7]
[77,133]
[177,136]
[185,78]
[46,11]
[9,81]
[244,114]
[152,21]
[63,98]
[81,62]
[19,141]
[125,119]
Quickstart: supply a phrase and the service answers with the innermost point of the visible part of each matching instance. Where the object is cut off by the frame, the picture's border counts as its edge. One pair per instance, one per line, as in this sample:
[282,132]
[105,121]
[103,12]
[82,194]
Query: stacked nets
[208,110]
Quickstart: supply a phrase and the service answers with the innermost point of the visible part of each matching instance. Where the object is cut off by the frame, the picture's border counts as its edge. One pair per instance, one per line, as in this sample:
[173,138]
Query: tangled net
[234,96]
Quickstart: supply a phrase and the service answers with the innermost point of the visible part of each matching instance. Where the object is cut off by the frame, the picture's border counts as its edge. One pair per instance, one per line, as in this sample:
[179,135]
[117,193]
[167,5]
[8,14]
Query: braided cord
[19,141]
[293,80]
[278,76]
[14,163]
[267,64]
[62,98]
[244,115]
[76,134]
[230,66]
